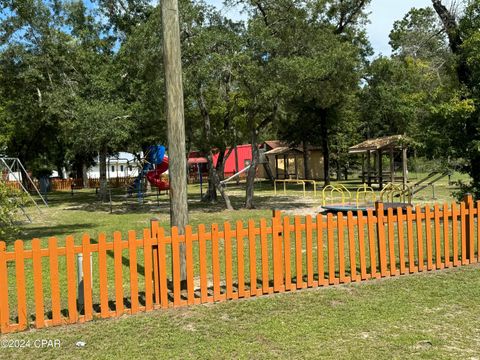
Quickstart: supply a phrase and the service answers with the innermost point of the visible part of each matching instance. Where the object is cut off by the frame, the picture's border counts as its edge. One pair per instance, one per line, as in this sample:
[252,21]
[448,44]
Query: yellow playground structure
[297,182]
[339,198]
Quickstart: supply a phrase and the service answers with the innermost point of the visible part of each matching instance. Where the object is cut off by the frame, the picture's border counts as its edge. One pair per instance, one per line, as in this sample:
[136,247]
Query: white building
[122,165]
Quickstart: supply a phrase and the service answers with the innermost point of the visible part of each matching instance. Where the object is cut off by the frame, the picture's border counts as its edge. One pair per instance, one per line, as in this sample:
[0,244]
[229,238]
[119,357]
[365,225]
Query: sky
[383,14]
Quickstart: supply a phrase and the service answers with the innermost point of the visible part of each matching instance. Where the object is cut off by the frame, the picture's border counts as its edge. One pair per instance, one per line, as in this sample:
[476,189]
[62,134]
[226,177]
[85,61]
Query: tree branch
[450,25]
[347,18]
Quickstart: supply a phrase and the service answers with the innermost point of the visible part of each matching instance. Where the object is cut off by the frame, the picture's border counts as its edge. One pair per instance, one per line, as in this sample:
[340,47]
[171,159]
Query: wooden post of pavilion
[285,166]
[369,161]
[404,167]
[276,167]
[392,165]
[380,168]
[363,168]
[296,167]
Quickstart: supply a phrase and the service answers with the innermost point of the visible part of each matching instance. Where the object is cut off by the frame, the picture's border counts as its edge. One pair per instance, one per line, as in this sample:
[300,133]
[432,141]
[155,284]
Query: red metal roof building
[243,153]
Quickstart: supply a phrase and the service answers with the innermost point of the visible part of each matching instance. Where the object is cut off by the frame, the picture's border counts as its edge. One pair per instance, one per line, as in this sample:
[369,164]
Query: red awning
[198,160]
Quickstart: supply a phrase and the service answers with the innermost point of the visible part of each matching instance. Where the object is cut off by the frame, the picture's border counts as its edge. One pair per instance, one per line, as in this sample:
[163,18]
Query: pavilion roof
[284,150]
[387,142]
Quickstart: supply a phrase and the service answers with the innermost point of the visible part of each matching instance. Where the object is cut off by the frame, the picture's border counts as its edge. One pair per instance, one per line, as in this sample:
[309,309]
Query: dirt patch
[424,345]
[304,211]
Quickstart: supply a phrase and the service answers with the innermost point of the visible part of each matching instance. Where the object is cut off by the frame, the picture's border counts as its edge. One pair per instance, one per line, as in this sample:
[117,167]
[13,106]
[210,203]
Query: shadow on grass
[209,292]
[56,230]
[87,200]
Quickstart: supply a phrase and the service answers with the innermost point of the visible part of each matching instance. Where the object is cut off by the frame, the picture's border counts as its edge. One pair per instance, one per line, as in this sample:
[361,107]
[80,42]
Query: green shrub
[11,202]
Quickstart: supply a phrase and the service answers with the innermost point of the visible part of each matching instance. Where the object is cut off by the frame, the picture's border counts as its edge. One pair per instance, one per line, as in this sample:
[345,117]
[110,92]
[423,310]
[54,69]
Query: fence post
[277,238]
[80,277]
[156,275]
[379,213]
[4,306]
[468,200]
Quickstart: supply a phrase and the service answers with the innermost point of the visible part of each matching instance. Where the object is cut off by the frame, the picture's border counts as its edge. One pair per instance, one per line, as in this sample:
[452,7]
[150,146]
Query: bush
[11,202]
[464,189]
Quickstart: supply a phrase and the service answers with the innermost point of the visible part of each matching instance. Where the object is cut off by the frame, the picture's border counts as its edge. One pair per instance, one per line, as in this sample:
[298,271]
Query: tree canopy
[79,81]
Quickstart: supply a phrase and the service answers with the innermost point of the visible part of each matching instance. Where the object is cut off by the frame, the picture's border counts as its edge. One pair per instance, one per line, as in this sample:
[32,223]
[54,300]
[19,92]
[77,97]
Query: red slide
[154,177]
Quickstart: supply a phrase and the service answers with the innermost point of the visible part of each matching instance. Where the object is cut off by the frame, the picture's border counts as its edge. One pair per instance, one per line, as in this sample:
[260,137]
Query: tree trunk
[220,187]
[86,185]
[175,125]
[325,147]
[60,171]
[211,194]
[463,70]
[213,178]
[252,172]
[306,161]
[102,158]
[454,38]
[220,168]
[77,169]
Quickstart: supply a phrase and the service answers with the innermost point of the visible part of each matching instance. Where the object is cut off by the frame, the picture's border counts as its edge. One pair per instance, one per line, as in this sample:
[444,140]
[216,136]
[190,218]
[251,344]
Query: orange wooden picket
[67,184]
[143,271]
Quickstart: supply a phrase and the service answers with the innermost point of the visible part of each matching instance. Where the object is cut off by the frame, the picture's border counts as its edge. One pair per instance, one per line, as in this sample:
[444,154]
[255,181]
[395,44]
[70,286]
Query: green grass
[75,215]
[326,322]
[429,316]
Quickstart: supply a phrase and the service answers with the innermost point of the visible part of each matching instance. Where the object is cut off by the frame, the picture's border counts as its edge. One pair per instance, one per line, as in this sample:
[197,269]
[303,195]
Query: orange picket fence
[55,184]
[114,182]
[51,286]
[66,184]
[63,184]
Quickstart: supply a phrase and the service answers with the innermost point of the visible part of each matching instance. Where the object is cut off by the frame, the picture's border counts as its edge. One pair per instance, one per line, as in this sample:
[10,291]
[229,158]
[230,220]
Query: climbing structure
[13,171]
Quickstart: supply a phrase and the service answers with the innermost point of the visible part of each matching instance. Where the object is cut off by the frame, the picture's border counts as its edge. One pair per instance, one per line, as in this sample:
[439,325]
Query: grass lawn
[433,316]
[74,215]
[427,315]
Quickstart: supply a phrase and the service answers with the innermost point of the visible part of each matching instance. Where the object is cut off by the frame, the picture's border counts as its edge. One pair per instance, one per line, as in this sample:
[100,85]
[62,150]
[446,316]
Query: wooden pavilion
[376,149]
[287,154]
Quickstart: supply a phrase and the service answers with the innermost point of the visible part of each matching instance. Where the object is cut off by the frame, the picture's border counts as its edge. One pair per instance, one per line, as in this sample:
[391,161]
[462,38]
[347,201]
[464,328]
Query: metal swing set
[12,168]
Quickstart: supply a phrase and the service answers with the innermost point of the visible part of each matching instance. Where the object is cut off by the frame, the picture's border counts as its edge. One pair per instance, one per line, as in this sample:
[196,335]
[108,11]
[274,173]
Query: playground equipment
[154,165]
[226,181]
[339,198]
[297,182]
[364,193]
[392,191]
[12,168]
[434,177]
[342,191]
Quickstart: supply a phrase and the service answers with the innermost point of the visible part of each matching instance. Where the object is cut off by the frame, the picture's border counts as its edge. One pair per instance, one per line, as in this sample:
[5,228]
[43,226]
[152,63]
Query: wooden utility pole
[175,123]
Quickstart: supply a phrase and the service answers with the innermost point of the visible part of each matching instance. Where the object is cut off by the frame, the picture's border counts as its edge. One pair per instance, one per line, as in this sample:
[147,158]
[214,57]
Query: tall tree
[97,117]
[316,49]
[34,53]
[463,33]
[60,84]
[415,92]
[212,46]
